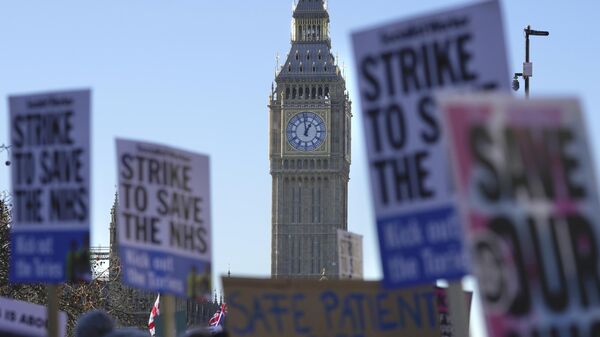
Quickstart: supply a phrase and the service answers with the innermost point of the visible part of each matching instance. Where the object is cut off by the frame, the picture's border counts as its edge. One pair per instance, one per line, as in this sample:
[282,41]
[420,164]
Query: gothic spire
[310,54]
[314,8]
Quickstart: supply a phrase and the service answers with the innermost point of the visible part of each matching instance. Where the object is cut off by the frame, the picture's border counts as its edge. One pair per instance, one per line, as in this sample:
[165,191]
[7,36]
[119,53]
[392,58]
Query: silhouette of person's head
[204,332]
[128,332]
[94,324]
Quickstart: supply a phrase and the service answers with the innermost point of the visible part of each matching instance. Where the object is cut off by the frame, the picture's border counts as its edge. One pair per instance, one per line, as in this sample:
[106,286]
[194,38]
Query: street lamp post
[7,149]
[527,65]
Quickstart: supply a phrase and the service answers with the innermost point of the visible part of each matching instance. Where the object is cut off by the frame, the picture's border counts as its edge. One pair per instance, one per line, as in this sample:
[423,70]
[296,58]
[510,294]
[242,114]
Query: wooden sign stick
[169,315]
[458,309]
[52,293]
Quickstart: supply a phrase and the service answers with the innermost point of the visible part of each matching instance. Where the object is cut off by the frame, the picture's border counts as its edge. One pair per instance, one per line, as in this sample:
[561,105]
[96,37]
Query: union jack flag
[219,317]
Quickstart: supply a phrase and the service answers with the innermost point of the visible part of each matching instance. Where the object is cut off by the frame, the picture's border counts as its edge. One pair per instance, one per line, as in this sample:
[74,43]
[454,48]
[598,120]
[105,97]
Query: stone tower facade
[309,150]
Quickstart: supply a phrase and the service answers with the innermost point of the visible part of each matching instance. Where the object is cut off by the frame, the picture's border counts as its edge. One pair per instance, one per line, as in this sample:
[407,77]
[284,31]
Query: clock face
[306,131]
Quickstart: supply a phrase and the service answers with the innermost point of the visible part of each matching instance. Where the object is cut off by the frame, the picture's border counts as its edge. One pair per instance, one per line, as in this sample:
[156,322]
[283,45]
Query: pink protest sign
[528,194]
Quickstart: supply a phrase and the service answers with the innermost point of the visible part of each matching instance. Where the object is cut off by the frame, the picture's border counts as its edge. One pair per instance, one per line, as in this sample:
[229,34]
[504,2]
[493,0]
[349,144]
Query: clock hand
[306,130]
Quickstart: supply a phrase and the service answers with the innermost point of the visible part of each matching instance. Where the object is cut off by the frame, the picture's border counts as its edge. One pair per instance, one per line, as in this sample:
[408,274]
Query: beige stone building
[350,258]
[309,150]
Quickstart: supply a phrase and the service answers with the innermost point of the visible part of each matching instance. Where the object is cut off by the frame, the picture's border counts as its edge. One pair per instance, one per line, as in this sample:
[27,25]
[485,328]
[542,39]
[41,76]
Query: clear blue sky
[197,74]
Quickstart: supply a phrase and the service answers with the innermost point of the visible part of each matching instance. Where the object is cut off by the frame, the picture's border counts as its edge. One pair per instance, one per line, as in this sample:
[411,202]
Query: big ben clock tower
[309,151]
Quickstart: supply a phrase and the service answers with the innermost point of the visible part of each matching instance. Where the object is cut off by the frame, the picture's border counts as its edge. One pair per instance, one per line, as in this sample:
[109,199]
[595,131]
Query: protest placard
[446,325]
[27,319]
[264,307]
[164,227]
[50,151]
[400,66]
[529,199]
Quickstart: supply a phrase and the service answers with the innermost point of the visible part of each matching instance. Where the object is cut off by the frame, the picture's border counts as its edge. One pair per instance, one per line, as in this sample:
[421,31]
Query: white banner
[27,319]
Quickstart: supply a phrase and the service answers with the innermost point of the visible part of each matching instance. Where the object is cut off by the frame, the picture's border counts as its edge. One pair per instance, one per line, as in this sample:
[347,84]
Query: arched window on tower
[312,256]
[319,203]
[319,32]
[313,200]
[287,93]
[319,183]
[296,55]
[313,92]
[320,92]
[299,203]
[294,200]
[294,93]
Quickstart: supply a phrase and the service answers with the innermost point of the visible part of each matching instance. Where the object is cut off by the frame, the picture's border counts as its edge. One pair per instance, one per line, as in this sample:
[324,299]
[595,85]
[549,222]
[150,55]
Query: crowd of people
[98,323]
